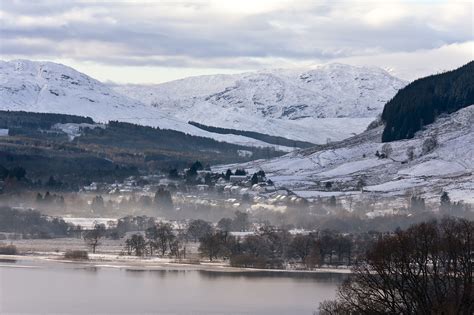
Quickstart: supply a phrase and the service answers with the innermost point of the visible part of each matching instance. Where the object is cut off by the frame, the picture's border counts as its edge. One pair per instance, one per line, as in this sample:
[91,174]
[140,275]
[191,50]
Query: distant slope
[313,105]
[419,103]
[54,88]
[351,164]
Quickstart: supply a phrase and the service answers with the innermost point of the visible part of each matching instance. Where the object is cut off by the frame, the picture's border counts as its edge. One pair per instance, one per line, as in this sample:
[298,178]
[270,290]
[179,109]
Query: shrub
[429,145]
[8,249]
[248,261]
[76,255]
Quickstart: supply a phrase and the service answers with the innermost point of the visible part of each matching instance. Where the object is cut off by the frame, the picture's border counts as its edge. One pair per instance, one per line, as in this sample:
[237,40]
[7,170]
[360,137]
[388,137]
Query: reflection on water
[320,277]
[49,287]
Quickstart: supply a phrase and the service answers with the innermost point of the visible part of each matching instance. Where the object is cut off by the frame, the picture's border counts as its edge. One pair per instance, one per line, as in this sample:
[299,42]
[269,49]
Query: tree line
[273,247]
[32,224]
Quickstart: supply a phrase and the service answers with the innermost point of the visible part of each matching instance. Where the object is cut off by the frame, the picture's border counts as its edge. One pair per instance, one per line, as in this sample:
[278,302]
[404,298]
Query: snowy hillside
[54,88]
[352,164]
[331,101]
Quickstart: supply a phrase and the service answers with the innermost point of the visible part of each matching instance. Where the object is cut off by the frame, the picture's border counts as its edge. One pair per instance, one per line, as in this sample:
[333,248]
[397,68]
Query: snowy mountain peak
[51,87]
[301,104]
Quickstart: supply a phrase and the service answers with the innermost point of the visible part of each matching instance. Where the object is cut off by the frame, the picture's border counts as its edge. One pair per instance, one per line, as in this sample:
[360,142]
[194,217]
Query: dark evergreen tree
[17,172]
[173,174]
[197,166]
[225,224]
[98,203]
[240,172]
[163,199]
[3,172]
[445,201]
[254,179]
[417,204]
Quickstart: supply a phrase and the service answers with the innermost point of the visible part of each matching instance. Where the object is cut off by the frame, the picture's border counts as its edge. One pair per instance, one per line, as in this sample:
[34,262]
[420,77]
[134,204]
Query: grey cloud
[207,42]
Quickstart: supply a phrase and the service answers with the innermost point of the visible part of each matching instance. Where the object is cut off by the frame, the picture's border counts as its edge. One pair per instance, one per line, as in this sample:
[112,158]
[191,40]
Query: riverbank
[140,263]
[110,254]
[154,263]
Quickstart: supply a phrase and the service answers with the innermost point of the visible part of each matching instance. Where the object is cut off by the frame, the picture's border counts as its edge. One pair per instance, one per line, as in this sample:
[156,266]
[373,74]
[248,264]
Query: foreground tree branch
[426,269]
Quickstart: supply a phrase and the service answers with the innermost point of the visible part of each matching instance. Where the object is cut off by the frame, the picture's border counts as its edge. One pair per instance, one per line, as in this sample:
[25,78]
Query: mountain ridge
[298,104]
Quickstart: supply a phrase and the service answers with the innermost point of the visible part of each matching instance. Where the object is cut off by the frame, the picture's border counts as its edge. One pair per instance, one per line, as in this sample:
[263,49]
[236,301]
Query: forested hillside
[255,135]
[419,103]
[22,120]
[73,147]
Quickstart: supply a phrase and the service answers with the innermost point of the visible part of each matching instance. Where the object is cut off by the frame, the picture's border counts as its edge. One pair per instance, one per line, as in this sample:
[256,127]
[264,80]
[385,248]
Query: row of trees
[162,201]
[273,248]
[16,172]
[270,247]
[240,223]
[159,239]
[156,238]
[32,224]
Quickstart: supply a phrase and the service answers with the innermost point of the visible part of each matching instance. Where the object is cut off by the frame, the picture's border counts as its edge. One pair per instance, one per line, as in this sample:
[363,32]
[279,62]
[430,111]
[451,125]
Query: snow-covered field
[88,223]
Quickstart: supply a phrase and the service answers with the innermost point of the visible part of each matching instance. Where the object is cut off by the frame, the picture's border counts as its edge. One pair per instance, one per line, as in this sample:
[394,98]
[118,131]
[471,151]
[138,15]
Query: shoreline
[138,264]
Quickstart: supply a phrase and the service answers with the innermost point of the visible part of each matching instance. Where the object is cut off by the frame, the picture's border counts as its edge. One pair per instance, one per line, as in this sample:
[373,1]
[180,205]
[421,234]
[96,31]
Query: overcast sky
[156,41]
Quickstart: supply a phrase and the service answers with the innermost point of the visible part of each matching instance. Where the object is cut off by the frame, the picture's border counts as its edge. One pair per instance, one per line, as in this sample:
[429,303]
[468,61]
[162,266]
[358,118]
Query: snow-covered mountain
[55,88]
[351,164]
[328,102]
[331,101]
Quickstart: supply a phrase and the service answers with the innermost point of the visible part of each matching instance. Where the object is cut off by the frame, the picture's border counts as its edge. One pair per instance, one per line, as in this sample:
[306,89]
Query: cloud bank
[178,38]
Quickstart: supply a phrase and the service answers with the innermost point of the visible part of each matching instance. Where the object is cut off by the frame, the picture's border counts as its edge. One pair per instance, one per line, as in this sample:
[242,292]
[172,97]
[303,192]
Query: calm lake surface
[47,287]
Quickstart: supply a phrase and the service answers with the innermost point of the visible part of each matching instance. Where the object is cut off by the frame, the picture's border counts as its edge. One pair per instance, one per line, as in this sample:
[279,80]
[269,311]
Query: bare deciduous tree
[387,150]
[93,237]
[426,269]
[429,145]
[136,243]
